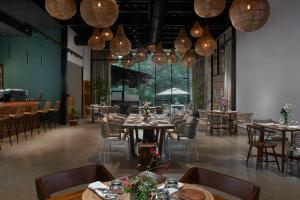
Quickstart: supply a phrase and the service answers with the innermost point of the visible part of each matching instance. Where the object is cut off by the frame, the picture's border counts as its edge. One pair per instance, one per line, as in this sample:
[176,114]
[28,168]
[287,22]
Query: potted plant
[73,117]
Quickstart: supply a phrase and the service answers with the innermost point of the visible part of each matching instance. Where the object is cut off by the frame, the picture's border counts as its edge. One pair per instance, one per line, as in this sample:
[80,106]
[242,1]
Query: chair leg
[31,125]
[275,156]
[16,128]
[248,156]
[8,125]
[24,126]
[267,159]
[257,160]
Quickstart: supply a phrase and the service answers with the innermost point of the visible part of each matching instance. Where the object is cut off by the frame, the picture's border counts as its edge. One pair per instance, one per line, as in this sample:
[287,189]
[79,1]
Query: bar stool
[32,117]
[44,114]
[19,121]
[54,111]
[4,120]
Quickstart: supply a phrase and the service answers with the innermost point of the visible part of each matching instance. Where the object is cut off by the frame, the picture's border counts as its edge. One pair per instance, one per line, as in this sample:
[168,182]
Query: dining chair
[18,120]
[254,141]
[112,135]
[54,113]
[49,184]
[234,186]
[33,118]
[184,135]
[44,114]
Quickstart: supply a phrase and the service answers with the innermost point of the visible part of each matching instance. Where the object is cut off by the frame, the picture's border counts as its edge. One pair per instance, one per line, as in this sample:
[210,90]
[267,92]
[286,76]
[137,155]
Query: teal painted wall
[42,73]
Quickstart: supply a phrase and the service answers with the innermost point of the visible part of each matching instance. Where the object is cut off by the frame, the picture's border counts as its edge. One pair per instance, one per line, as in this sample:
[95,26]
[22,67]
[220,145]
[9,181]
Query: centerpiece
[147,157]
[223,104]
[285,112]
[146,110]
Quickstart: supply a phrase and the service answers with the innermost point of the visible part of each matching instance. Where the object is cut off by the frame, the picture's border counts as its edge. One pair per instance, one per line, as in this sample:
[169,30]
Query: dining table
[231,115]
[158,124]
[88,194]
[280,128]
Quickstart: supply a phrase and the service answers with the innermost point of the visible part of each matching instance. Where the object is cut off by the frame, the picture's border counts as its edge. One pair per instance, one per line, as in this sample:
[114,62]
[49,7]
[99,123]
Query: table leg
[292,143]
[92,115]
[161,141]
[229,124]
[260,151]
[132,148]
[283,151]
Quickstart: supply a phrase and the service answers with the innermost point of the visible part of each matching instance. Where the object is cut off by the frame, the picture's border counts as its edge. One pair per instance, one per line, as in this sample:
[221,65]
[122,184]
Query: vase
[285,119]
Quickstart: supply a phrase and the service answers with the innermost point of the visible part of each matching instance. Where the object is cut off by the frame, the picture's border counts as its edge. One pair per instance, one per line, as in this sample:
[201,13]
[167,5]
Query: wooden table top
[222,112]
[131,122]
[278,127]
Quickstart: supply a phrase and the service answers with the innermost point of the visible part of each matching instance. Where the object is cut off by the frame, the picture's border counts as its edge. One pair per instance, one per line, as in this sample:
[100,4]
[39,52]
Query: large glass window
[159,84]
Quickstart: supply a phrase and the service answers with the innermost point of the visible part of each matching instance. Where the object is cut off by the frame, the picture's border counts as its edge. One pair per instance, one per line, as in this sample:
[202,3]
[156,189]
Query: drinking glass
[117,186]
[172,183]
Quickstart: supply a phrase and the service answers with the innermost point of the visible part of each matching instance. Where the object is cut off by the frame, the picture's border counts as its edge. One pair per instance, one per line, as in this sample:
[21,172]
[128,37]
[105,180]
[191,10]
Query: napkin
[95,186]
[171,190]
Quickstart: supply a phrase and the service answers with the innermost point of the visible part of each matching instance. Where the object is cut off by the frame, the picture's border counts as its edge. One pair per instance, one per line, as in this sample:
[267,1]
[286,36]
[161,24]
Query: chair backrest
[20,111]
[110,129]
[47,106]
[49,184]
[57,106]
[237,187]
[202,114]
[189,128]
[254,133]
[34,109]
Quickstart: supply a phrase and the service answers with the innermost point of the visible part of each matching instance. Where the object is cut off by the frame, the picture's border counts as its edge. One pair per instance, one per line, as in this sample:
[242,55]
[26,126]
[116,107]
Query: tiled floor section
[70,147]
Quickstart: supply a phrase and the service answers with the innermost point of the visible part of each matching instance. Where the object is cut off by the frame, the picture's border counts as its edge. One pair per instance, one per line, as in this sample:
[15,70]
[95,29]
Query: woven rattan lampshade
[95,42]
[128,60]
[111,58]
[61,9]
[249,15]
[172,58]
[107,34]
[197,30]
[141,55]
[182,42]
[206,44]
[99,13]
[209,8]
[120,44]
[160,57]
[189,59]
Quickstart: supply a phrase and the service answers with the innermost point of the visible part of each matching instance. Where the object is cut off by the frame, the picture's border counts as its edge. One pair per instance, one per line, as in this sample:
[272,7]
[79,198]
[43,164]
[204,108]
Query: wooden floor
[70,147]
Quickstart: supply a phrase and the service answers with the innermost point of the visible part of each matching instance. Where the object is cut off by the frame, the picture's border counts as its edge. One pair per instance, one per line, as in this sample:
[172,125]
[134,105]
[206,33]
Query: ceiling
[141,25]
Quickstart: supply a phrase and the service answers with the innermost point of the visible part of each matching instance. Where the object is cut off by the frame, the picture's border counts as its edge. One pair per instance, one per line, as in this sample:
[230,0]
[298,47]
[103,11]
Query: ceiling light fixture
[120,44]
[197,30]
[99,13]
[209,8]
[206,44]
[182,42]
[107,34]
[96,42]
[61,9]
[249,15]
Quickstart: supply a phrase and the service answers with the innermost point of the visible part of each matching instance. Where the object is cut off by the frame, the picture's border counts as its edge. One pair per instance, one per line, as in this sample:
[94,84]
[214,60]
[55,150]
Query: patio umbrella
[172,91]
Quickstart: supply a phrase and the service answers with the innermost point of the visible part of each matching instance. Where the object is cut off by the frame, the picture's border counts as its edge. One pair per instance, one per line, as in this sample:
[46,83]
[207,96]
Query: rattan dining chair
[49,184]
[112,135]
[254,141]
[184,135]
[236,187]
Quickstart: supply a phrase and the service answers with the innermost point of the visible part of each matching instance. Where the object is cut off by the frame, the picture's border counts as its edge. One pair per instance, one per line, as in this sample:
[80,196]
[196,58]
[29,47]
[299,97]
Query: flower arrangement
[147,159]
[146,109]
[223,104]
[140,187]
[286,110]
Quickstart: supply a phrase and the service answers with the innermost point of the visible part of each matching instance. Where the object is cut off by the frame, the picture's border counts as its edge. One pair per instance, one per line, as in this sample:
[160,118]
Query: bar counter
[11,107]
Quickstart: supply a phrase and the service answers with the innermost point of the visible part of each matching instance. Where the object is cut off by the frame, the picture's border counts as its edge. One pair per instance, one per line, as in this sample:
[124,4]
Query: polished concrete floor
[70,147]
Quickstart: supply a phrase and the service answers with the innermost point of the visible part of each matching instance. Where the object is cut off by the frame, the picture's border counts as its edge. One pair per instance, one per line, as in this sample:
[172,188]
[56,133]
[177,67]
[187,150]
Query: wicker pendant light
[182,42]
[99,13]
[120,44]
[107,34]
[249,15]
[111,58]
[160,57]
[141,55]
[61,9]
[95,42]
[189,59]
[209,8]
[172,58]
[206,44]
[128,60]
[197,30]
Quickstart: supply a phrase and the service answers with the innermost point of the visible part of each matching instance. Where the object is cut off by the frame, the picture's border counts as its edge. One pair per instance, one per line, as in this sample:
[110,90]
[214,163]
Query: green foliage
[141,187]
[101,91]
[73,114]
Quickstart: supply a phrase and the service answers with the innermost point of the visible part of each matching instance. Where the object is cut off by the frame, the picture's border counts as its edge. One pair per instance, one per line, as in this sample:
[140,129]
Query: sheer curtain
[101,75]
